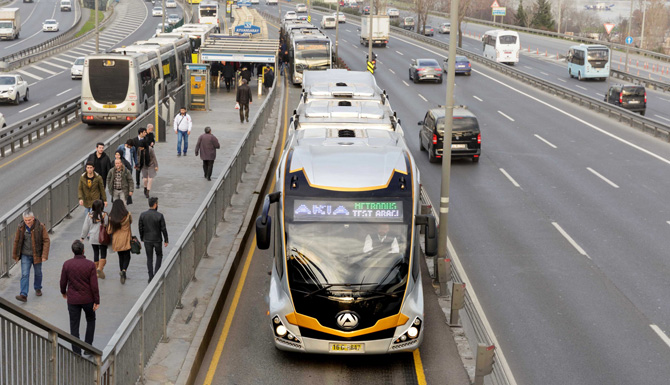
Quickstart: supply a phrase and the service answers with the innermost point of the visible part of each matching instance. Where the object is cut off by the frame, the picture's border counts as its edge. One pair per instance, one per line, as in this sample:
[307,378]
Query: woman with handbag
[119,228]
[95,229]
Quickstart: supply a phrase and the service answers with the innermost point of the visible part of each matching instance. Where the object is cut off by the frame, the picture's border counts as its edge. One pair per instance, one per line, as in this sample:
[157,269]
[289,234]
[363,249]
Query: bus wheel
[421,147]
[579,75]
[570,73]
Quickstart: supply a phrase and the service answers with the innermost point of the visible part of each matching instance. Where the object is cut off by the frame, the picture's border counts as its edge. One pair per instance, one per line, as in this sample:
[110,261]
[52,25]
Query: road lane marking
[584,88]
[240,284]
[55,65]
[40,145]
[601,95]
[561,80]
[503,114]
[24,73]
[405,83]
[569,238]
[424,99]
[345,40]
[667,100]
[399,53]
[510,178]
[393,72]
[545,141]
[68,90]
[418,367]
[602,177]
[26,109]
[62,60]
[544,73]
[660,333]
[477,98]
[530,68]
[664,118]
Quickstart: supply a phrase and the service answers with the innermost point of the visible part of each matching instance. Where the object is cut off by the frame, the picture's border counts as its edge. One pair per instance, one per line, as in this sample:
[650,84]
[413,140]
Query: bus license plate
[458,146]
[109,106]
[347,348]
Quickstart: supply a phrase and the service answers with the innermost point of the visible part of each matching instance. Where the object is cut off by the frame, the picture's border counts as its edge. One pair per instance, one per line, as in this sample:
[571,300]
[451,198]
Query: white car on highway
[13,88]
[157,11]
[300,8]
[173,19]
[77,68]
[50,25]
[328,22]
[290,15]
[3,123]
[340,18]
[393,12]
[271,2]
[170,4]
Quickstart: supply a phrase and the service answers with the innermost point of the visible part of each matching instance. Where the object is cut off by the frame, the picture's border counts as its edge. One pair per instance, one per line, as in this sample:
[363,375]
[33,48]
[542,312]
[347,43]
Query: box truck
[380,30]
[10,23]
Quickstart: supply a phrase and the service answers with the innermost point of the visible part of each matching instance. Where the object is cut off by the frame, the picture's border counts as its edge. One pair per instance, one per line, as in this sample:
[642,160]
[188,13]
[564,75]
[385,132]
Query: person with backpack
[95,230]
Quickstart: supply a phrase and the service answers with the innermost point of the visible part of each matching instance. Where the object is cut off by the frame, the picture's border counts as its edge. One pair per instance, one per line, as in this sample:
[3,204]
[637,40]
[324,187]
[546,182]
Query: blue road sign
[247,28]
[629,40]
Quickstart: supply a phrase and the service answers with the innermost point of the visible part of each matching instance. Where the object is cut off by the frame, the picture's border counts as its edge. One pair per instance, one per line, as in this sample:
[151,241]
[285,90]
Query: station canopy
[219,47]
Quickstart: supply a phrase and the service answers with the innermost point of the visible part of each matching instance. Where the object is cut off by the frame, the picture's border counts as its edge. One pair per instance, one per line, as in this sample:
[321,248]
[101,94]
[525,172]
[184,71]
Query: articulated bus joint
[264,221]
[431,233]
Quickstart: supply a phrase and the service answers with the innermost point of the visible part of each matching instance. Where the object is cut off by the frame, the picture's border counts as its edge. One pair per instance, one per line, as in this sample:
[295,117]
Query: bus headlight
[281,330]
[411,333]
[282,334]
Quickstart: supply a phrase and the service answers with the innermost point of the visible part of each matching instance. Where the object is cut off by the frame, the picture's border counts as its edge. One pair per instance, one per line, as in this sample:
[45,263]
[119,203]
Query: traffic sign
[495,4]
[309,18]
[247,27]
[499,11]
[371,67]
[629,40]
[609,27]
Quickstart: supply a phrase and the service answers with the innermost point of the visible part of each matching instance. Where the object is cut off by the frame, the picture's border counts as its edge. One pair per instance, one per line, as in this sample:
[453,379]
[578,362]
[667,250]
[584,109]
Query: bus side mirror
[264,222]
[431,233]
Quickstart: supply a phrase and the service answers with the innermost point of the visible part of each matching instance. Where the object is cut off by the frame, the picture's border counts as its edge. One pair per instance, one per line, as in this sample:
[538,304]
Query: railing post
[165,311]
[53,360]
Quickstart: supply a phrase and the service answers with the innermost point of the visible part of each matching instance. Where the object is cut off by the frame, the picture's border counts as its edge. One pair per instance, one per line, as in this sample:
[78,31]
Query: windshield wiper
[329,285]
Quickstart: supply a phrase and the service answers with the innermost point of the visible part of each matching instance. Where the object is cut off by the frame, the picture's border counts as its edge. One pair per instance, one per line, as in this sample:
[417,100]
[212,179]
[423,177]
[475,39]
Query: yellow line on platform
[40,145]
[418,366]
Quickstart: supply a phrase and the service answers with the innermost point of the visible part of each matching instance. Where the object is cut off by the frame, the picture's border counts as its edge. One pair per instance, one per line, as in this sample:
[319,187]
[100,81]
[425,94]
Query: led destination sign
[336,210]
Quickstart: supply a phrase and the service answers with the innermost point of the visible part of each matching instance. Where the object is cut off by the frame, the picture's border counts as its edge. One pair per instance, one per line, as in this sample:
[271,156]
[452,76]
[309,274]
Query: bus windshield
[109,80]
[312,56]
[207,12]
[347,253]
[598,58]
[507,39]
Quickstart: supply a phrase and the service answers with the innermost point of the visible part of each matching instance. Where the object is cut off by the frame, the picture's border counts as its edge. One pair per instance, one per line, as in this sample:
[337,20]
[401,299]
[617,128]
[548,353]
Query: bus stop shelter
[239,49]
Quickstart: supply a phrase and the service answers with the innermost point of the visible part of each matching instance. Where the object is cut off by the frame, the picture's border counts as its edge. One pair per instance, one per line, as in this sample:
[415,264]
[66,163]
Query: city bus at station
[196,33]
[502,46]
[343,225]
[308,50]
[588,61]
[208,13]
[118,86]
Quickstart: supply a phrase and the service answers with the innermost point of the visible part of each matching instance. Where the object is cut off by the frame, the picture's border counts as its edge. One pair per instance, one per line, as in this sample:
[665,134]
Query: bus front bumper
[101,118]
[317,346]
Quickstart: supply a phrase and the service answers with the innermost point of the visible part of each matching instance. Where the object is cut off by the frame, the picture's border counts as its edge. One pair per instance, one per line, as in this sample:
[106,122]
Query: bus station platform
[180,187]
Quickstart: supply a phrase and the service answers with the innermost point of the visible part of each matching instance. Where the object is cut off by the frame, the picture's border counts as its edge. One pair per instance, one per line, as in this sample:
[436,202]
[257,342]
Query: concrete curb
[198,349]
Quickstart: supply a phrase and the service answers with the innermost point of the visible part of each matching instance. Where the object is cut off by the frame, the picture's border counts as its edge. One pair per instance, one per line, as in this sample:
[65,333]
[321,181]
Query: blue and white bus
[588,61]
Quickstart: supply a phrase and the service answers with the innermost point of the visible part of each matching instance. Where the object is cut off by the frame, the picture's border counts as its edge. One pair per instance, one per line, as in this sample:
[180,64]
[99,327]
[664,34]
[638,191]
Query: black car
[466,139]
[633,98]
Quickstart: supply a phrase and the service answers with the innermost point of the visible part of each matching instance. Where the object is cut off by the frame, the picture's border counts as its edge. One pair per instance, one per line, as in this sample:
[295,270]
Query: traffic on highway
[557,216]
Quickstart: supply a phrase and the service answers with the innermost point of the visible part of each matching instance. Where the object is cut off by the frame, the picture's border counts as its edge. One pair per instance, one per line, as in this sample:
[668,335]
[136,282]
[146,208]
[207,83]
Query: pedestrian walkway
[180,188]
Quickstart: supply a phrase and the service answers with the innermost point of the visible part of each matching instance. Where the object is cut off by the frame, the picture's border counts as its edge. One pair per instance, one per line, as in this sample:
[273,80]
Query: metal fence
[124,358]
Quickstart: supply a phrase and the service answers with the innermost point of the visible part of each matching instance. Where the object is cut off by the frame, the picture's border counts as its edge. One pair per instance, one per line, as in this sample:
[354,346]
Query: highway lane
[32,15]
[561,316]
[47,158]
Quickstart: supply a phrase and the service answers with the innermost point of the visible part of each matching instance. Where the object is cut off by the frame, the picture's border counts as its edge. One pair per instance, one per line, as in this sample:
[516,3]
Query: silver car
[77,69]
[444,28]
[425,69]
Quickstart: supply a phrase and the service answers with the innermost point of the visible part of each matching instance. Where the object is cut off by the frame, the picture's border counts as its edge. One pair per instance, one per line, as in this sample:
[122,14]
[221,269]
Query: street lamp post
[644,15]
[97,29]
[337,30]
[370,34]
[630,21]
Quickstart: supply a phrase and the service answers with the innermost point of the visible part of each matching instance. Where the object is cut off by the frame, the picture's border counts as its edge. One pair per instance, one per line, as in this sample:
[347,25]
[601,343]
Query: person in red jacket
[79,286]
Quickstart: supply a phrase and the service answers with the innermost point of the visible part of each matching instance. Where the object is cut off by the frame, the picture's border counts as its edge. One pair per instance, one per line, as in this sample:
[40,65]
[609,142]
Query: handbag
[103,235]
[129,200]
[237,106]
[135,245]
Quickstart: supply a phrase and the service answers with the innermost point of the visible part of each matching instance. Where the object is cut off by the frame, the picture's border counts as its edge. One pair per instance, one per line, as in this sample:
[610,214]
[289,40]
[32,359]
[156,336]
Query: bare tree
[655,25]
[421,7]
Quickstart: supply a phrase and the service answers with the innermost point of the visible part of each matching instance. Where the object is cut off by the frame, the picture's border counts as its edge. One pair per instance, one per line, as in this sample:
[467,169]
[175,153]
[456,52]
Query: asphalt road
[561,227]
[35,165]
[32,15]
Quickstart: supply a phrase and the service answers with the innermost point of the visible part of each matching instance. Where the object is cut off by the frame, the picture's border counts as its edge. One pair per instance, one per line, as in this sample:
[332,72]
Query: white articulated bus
[502,46]
[343,225]
[120,85]
[208,13]
[308,50]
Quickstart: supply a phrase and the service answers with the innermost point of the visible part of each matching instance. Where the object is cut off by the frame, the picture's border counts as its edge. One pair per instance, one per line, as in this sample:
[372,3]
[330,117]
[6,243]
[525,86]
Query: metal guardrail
[126,354]
[49,47]
[35,127]
[650,83]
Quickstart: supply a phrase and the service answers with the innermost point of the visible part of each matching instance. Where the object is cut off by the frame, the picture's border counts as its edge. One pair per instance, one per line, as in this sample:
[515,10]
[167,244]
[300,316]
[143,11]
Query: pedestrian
[228,74]
[91,187]
[95,220]
[214,74]
[118,155]
[151,137]
[244,99]
[119,182]
[137,143]
[245,74]
[149,168]
[79,286]
[268,78]
[154,235]
[31,248]
[119,228]
[129,154]
[284,61]
[182,127]
[101,162]
[206,146]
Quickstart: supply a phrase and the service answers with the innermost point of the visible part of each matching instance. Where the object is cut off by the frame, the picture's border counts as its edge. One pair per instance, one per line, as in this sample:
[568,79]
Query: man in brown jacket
[91,187]
[31,247]
[207,145]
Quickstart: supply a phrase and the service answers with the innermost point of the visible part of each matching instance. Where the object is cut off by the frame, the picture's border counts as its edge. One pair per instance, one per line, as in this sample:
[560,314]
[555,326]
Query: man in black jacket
[101,162]
[138,143]
[228,74]
[154,235]
[244,99]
